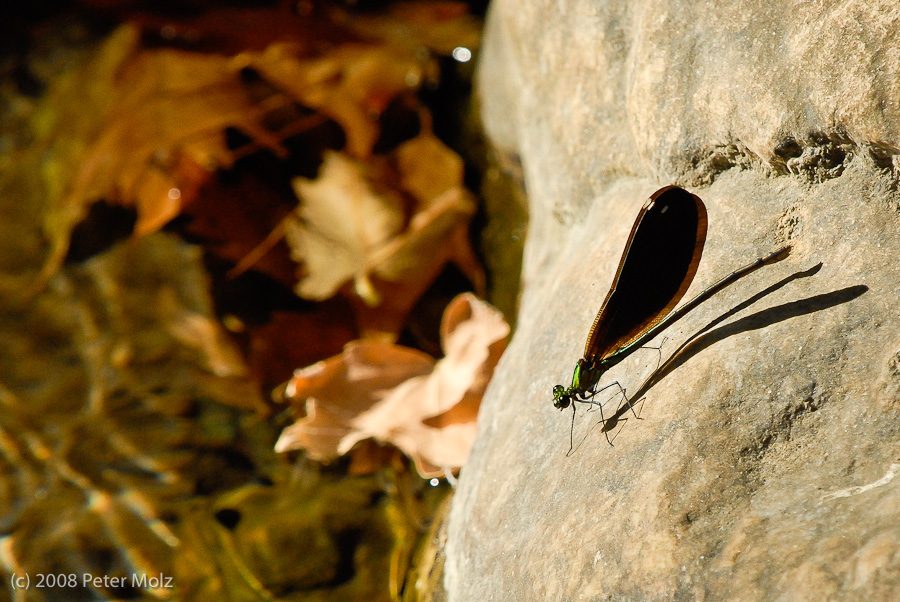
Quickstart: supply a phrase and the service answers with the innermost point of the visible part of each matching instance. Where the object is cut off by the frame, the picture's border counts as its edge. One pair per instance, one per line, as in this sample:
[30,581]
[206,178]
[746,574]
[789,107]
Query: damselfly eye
[561,399]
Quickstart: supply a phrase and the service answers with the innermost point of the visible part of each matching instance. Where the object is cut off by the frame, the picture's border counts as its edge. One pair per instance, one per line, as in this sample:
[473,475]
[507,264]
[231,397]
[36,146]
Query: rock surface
[764,464]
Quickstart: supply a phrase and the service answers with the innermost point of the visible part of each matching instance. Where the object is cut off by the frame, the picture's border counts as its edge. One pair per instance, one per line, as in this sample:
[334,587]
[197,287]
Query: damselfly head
[561,398]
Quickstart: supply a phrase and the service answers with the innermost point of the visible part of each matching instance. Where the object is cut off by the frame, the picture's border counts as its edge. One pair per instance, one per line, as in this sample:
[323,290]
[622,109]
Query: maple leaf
[397,395]
[352,226]
[341,222]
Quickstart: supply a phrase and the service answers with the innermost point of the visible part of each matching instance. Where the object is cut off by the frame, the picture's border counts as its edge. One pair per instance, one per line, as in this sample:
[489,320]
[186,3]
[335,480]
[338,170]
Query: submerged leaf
[352,227]
[435,24]
[339,389]
[146,127]
[352,84]
[340,224]
[400,396]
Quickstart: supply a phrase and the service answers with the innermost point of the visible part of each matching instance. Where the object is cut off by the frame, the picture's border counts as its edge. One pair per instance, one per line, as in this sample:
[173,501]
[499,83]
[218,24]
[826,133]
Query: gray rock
[764,464]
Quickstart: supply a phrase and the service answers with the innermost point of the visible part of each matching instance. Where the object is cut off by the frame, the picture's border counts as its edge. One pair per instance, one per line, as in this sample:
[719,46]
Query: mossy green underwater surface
[125,457]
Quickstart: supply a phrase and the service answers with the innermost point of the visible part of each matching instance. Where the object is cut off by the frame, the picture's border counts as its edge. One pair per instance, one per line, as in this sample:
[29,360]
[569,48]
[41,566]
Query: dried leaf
[353,84]
[346,232]
[139,128]
[428,168]
[340,388]
[238,219]
[397,395]
[146,128]
[297,338]
[172,108]
[340,223]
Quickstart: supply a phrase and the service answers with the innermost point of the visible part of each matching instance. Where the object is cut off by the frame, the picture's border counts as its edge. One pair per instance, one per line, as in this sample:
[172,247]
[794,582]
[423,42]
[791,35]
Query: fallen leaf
[172,108]
[353,84]
[340,223]
[145,128]
[234,213]
[351,228]
[397,395]
[296,338]
[339,389]
[428,169]
[139,128]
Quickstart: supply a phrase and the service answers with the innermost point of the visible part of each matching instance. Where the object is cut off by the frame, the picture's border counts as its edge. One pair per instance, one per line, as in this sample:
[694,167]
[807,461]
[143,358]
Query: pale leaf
[429,415]
[340,223]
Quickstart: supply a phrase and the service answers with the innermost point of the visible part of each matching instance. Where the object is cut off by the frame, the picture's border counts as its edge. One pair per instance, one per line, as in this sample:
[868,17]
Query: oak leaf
[397,395]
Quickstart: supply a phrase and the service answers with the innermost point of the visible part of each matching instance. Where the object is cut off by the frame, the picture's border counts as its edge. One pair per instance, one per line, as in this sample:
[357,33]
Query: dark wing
[656,269]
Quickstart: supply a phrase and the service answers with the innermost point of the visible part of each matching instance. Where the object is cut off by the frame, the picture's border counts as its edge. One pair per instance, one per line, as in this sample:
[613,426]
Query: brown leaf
[237,218]
[428,168]
[346,232]
[297,338]
[352,84]
[397,395]
[339,389]
[145,128]
[172,108]
[340,223]
[438,230]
